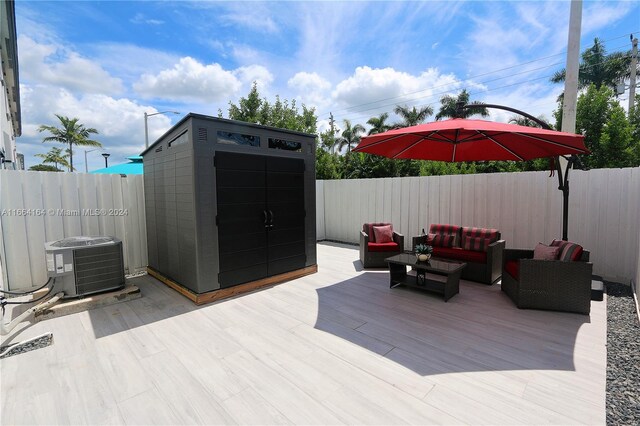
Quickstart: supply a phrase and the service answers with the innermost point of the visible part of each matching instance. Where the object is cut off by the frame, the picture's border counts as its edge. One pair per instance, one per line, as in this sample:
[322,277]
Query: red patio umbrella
[471,140]
[460,139]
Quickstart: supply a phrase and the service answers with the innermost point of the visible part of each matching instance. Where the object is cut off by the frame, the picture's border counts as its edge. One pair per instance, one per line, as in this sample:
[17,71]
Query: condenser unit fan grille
[98,268]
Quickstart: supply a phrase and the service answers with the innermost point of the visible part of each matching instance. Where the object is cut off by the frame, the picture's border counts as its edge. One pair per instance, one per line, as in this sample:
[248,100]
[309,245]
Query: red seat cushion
[379,247]
[513,268]
[456,253]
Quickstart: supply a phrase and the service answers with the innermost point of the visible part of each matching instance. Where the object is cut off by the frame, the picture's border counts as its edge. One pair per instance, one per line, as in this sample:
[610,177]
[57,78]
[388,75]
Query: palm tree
[413,116]
[449,107]
[350,135]
[524,121]
[378,124]
[56,157]
[71,132]
[599,68]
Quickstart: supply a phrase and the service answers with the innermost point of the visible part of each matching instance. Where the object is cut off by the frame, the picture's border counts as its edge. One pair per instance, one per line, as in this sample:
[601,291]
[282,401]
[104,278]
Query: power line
[359,113]
[469,80]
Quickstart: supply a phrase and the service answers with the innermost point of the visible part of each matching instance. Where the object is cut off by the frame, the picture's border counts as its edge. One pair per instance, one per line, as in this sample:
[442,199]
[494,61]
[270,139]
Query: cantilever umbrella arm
[563,178]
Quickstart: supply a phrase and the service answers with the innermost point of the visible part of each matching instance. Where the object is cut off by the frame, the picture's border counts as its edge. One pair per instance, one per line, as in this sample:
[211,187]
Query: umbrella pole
[563,185]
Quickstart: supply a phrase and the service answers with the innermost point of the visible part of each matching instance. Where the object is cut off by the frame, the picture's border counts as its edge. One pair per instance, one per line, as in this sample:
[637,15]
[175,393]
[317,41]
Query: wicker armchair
[371,254]
[547,284]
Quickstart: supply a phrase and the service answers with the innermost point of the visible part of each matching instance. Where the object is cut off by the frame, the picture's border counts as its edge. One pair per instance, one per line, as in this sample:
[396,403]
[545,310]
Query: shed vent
[202,134]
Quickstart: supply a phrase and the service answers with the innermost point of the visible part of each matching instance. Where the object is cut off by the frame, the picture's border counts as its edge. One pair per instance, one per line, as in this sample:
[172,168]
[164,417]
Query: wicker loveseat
[555,285]
[480,248]
[372,252]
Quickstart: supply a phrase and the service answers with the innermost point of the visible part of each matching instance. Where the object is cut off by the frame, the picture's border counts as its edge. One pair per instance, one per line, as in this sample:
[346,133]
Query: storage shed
[230,206]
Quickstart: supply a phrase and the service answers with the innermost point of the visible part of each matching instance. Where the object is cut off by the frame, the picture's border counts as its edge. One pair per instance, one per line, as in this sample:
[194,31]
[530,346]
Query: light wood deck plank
[336,347]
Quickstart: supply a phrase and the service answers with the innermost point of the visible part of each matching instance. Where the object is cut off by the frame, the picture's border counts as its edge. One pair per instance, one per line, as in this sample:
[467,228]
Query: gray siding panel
[180,188]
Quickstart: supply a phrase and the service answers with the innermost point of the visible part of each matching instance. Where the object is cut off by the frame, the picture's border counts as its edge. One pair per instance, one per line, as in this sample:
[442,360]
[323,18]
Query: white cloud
[119,121]
[597,15]
[255,20]
[376,90]
[248,74]
[189,80]
[56,65]
[140,18]
[310,88]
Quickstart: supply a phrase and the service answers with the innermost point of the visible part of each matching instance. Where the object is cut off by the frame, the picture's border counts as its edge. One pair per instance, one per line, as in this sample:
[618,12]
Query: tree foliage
[599,68]
[449,107]
[56,157]
[350,135]
[71,132]
[44,168]
[378,124]
[281,114]
[607,132]
[412,116]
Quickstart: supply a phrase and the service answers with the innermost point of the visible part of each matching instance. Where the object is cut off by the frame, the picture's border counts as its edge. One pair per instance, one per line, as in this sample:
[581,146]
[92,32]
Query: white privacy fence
[36,207]
[604,208]
[604,213]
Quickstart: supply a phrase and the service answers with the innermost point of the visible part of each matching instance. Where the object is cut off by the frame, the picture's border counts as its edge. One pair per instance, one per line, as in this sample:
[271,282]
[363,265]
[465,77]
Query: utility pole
[569,104]
[571,77]
[634,65]
[333,131]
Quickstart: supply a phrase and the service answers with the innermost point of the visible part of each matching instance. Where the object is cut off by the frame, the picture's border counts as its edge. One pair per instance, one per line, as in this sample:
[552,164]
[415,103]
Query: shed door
[260,216]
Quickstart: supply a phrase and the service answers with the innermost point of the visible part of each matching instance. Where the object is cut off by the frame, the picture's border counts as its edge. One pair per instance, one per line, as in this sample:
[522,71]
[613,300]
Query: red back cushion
[545,252]
[437,228]
[383,234]
[367,228]
[475,243]
[569,252]
[492,234]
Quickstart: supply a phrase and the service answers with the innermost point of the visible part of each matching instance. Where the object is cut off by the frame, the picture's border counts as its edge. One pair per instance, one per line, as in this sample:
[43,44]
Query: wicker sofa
[482,254]
[372,252]
[556,285]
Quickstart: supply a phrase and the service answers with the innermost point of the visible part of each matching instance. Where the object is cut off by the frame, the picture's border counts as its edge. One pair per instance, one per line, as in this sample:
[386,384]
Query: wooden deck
[334,347]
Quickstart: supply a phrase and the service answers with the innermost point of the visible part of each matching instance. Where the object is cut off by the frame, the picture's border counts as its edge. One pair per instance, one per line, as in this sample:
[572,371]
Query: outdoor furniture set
[555,277]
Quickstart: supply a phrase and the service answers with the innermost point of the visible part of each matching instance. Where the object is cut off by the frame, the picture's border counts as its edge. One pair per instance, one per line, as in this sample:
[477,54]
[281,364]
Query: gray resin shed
[229,205]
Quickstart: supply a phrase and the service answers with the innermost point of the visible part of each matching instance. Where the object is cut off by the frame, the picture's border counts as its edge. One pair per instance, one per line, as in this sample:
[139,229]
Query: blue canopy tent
[133,167]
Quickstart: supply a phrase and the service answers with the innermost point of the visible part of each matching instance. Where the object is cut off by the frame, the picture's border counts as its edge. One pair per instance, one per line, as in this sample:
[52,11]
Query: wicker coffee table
[417,278]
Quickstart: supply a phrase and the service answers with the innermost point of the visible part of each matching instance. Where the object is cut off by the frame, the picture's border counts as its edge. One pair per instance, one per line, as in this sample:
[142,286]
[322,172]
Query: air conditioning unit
[85,265]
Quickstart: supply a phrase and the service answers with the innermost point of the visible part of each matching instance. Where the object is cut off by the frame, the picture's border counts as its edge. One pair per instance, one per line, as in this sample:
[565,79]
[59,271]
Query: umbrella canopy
[460,139]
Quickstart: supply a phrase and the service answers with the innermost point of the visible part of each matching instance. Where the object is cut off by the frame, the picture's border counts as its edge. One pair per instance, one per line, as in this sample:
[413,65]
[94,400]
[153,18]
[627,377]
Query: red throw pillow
[544,252]
[475,243]
[384,234]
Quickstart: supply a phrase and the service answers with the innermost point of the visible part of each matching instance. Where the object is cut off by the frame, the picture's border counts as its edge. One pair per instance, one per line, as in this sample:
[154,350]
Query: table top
[433,264]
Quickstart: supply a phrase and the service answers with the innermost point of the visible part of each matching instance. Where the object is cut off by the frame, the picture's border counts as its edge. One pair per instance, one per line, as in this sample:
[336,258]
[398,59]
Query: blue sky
[109,62]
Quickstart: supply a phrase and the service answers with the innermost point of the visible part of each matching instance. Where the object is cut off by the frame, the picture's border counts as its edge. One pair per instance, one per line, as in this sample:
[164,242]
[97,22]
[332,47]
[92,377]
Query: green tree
[249,108]
[56,157]
[599,68]
[72,133]
[616,140]
[280,114]
[44,168]
[350,135]
[607,132]
[449,106]
[327,165]
[524,121]
[412,116]
[634,122]
[378,124]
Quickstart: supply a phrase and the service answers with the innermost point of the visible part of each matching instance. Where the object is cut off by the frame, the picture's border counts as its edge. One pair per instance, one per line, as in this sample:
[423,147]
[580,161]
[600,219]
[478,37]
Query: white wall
[526,207]
[604,213]
[320,232]
[46,193]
